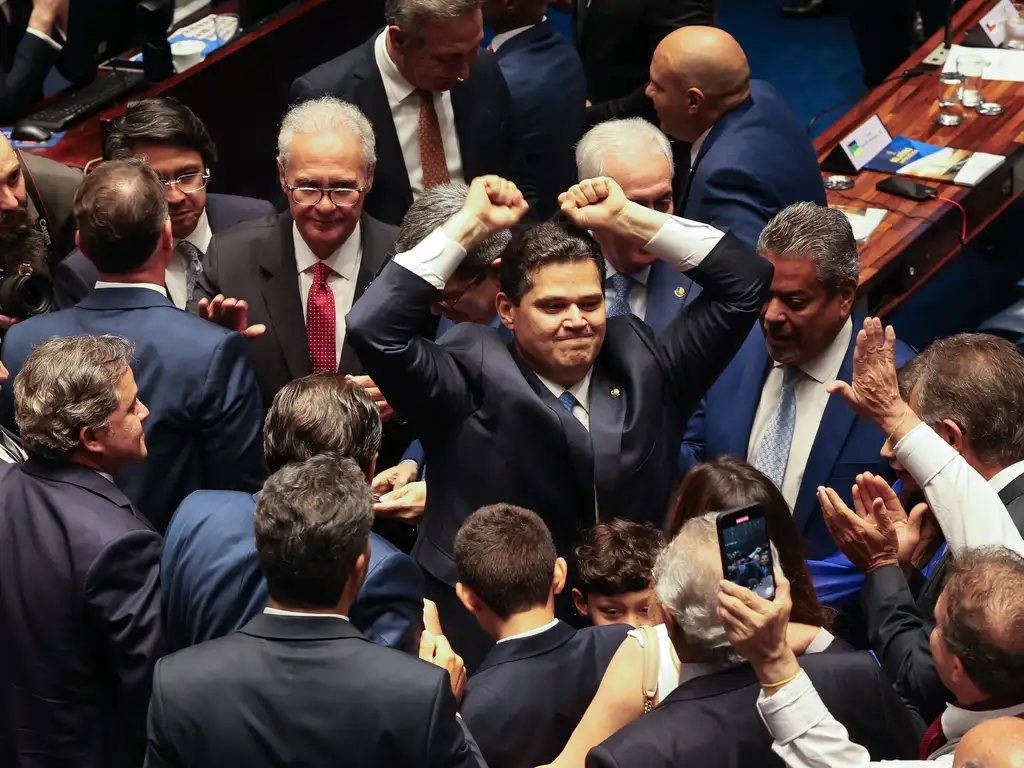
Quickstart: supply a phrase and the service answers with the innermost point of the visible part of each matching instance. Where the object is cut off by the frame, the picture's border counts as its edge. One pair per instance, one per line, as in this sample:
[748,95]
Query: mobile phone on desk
[895,185]
[746,550]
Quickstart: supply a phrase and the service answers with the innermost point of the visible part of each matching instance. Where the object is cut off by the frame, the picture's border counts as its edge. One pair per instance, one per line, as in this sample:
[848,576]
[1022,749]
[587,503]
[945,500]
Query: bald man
[749,155]
[995,743]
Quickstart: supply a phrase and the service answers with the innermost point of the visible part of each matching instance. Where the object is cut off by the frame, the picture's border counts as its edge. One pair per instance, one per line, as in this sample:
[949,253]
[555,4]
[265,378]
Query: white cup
[187,53]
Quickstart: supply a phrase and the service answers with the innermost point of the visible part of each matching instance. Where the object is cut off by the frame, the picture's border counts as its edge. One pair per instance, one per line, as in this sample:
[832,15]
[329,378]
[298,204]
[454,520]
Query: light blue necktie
[567,399]
[773,453]
[194,266]
[621,285]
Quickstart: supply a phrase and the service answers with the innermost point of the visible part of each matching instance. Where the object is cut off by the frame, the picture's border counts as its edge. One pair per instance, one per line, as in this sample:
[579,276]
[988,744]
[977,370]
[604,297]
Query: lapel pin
[615,392]
[680,291]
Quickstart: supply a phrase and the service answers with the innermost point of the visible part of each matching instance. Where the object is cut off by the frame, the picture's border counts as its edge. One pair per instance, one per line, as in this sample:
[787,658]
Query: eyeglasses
[190,182]
[340,197]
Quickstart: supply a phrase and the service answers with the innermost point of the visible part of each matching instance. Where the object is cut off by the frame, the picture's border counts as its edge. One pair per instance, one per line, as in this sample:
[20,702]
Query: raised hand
[909,528]
[386,411]
[594,204]
[436,650]
[867,537]
[493,204]
[232,314]
[757,629]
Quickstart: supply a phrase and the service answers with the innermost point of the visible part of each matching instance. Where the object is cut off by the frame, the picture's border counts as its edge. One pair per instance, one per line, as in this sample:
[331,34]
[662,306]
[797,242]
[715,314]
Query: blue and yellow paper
[909,157]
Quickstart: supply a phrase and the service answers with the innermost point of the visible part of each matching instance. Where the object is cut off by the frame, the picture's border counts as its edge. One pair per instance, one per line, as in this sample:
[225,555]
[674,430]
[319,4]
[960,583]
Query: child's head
[614,563]
[507,564]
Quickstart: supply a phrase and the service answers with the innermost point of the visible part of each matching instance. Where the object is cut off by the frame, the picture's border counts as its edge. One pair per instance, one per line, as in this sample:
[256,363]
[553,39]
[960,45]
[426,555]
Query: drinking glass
[972,67]
[1015,34]
[950,86]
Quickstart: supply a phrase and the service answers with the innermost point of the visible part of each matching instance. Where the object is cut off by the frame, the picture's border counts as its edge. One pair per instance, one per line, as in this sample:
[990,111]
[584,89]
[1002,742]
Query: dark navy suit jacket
[205,417]
[75,276]
[212,582]
[80,611]
[669,291]
[549,93]
[493,432]
[528,696]
[755,161]
[843,447]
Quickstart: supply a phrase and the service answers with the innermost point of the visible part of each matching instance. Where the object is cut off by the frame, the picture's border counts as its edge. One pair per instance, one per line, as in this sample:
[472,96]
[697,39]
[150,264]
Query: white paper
[864,142]
[993,23]
[864,223]
[1000,63]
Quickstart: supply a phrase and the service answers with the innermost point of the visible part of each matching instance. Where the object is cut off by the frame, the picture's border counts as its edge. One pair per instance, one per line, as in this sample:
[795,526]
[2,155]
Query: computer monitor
[252,12]
[93,37]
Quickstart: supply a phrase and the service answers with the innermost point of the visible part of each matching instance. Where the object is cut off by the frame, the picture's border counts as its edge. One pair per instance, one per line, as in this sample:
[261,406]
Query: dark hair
[120,210]
[616,557]
[312,522]
[984,615]
[506,555]
[321,413]
[536,247]
[977,381]
[730,483]
[160,120]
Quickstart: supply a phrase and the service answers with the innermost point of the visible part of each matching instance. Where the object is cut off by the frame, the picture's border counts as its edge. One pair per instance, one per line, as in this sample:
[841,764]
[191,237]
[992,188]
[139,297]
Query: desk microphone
[906,74]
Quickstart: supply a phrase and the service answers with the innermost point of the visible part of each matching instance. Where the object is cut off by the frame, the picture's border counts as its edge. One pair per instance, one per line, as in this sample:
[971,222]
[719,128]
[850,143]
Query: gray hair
[326,115]
[412,15]
[619,138]
[66,385]
[977,381]
[686,577]
[810,231]
[432,209]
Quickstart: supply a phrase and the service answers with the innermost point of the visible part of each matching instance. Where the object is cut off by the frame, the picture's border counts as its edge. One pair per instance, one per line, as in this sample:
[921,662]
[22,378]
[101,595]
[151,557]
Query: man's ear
[504,306]
[694,100]
[847,295]
[369,179]
[362,565]
[950,431]
[559,576]
[580,602]
[494,270]
[468,598]
[280,176]
[89,441]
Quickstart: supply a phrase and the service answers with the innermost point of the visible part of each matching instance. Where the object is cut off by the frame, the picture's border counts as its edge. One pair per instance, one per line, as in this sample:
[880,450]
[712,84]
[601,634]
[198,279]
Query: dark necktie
[568,400]
[321,322]
[432,159]
[621,285]
[934,739]
[193,266]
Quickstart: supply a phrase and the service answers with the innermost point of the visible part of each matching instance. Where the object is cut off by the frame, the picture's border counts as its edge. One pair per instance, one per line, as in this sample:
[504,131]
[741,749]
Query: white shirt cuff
[435,259]
[683,243]
[43,36]
[794,709]
[923,453]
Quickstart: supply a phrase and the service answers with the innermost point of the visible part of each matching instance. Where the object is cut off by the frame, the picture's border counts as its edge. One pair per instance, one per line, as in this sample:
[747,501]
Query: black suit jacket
[528,696]
[712,721]
[75,276]
[256,262]
[489,138]
[899,624]
[25,60]
[616,40]
[303,692]
[80,611]
[492,432]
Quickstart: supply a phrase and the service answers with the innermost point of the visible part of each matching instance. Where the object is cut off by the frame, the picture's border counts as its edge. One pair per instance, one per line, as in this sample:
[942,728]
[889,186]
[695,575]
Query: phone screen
[746,553]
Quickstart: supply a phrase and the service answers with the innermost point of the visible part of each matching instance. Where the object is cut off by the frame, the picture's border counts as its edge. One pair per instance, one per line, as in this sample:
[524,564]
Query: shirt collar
[580,390]
[201,235]
[825,367]
[107,475]
[530,632]
[398,89]
[1006,475]
[278,612]
[695,147]
[151,286]
[956,721]
[344,261]
[642,276]
[503,37]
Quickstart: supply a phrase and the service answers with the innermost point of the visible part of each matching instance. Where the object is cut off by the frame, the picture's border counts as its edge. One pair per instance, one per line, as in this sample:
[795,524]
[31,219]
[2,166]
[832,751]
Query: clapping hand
[868,537]
[757,628]
[914,531]
[232,314]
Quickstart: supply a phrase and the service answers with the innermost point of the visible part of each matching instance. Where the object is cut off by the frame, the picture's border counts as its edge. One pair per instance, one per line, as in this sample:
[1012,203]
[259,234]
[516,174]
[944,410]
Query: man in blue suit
[749,155]
[177,145]
[639,158]
[548,91]
[205,410]
[210,570]
[770,406]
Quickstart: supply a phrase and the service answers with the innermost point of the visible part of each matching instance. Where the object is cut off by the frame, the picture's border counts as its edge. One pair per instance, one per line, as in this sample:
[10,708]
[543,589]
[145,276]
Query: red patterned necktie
[432,160]
[934,738]
[320,322]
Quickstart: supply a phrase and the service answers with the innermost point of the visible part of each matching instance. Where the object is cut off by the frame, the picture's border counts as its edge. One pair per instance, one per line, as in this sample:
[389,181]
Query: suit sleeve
[449,742]
[389,607]
[599,757]
[208,284]
[733,202]
[515,158]
[71,279]
[899,635]
[23,84]
[414,453]
[122,591]
[160,751]
[692,451]
[701,341]
[231,421]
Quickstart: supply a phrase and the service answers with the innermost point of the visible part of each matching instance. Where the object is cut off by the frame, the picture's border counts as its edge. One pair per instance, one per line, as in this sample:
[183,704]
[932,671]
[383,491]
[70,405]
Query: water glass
[972,67]
[950,86]
[1014,34]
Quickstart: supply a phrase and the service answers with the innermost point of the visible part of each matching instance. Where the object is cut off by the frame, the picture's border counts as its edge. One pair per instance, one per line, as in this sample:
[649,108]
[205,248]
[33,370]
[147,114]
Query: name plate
[991,30]
[859,147]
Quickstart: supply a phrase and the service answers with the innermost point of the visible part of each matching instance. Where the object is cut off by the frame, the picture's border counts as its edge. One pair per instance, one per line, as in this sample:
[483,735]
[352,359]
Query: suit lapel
[465,104]
[374,253]
[581,10]
[370,95]
[607,416]
[280,280]
[668,292]
[748,395]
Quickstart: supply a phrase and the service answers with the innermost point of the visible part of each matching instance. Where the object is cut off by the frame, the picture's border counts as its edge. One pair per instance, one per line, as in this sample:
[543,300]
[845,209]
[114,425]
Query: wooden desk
[904,252]
[241,90]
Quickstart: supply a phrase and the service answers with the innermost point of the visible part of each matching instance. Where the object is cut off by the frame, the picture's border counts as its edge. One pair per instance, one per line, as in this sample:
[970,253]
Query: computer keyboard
[72,107]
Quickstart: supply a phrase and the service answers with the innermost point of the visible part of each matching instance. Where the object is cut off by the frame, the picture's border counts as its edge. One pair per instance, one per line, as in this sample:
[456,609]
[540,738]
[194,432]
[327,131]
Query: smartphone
[894,185]
[745,549]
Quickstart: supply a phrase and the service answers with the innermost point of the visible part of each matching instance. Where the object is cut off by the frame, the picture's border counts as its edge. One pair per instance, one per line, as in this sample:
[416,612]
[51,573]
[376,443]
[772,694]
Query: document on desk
[908,157]
[862,219]
[1000,63]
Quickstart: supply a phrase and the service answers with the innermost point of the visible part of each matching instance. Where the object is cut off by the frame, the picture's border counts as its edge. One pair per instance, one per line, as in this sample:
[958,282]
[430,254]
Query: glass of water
[950,87]
[1015,34]
[972,67]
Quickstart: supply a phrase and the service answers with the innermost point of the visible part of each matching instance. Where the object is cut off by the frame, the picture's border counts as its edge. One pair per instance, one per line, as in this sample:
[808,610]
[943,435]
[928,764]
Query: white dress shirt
[1006,475]
[695,147]
[151,286]
[580,390]
[11,451]
[302,614]
[637,293]
[176,275]
[966,506]
[503,37]
[530,632]
[811,400]
[405,112]
[344,266]
[807,736]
